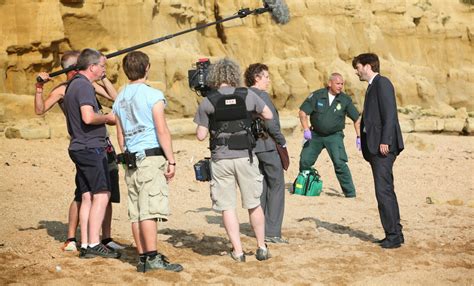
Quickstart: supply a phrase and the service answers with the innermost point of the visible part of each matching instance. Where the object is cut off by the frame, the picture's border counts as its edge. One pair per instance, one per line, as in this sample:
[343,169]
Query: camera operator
[227,113]
[273,195]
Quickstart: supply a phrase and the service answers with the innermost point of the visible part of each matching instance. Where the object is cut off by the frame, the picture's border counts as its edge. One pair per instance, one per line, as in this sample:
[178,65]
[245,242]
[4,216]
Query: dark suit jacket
[380,119]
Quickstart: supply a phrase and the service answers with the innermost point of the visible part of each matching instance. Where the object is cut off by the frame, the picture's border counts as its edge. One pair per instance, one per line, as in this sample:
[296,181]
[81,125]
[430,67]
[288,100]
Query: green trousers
[334,144]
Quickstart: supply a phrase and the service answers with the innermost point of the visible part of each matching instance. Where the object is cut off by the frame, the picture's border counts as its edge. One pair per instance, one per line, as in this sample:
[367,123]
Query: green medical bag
[308,183]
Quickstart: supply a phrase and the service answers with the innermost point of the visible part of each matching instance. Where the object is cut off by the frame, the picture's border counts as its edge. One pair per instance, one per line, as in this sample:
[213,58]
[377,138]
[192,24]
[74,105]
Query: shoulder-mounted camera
[197,77]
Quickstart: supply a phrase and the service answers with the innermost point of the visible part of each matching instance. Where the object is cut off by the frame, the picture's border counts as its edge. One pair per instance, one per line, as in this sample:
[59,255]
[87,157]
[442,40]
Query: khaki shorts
[148,190]
[227,174]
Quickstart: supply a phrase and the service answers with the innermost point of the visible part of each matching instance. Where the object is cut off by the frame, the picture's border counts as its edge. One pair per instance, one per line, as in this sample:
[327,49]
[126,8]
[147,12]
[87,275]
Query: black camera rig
[197,77]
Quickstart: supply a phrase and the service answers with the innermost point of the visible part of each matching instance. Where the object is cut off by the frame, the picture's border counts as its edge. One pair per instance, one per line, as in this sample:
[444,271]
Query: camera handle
[242,13]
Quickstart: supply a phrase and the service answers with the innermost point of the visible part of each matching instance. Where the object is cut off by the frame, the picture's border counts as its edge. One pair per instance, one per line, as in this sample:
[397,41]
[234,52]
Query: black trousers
[385,193]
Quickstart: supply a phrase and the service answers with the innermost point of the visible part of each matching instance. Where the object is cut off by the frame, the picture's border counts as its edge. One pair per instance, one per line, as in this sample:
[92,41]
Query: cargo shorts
[148,190]
[227,174]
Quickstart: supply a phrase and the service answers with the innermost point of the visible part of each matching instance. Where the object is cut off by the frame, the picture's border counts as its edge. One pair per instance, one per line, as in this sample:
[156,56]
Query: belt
[149,152]
[154,152]
[221,141]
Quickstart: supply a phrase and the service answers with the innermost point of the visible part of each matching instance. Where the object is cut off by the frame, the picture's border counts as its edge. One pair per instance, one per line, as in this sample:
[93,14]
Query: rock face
[425,46]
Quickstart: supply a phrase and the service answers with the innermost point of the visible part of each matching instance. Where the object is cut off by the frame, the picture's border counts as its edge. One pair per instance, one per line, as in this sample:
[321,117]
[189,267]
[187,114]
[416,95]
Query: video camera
[197,77]
[258,129]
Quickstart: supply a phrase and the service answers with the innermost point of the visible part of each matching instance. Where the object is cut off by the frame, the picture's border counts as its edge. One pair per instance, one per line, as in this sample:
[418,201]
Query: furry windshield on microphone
[279,10]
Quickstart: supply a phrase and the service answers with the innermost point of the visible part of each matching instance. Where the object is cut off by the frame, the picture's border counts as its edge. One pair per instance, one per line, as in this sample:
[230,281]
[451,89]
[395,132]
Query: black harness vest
[231,116]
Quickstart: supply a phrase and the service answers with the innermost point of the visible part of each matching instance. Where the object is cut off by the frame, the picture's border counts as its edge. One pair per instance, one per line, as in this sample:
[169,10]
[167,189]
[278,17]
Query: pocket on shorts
[258,185]
[213,194]
[158,201]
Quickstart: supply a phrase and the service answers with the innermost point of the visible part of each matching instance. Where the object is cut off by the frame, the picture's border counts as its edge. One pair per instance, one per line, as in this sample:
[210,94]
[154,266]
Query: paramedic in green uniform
[327,109]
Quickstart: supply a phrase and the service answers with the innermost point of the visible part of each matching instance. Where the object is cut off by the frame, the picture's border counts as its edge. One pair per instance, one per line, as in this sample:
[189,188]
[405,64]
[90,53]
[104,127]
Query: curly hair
[224,71]
[252,72]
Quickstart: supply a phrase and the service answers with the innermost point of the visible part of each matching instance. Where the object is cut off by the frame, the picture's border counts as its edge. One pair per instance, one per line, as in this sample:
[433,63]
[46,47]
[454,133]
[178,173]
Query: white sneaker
[70,246]
[115,246]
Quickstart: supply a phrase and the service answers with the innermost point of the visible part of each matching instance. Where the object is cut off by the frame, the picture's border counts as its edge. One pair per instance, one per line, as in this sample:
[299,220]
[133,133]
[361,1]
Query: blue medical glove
[358,145]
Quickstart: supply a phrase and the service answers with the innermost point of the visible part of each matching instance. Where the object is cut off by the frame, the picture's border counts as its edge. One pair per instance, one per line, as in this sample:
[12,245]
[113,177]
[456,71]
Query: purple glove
[307,134]
[358,145]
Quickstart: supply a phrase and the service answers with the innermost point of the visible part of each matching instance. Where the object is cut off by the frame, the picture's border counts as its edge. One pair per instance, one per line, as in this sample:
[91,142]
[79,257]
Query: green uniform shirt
[328,119]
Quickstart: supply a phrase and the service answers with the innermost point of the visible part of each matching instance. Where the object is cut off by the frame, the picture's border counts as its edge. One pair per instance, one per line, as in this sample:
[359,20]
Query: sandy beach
[331,237]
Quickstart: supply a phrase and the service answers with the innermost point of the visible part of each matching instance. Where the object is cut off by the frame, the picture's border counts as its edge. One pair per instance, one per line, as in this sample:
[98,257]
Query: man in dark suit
[382,141]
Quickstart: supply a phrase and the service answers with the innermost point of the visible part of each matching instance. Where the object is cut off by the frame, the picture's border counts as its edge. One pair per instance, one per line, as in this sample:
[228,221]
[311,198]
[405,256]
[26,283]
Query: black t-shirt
[81,92]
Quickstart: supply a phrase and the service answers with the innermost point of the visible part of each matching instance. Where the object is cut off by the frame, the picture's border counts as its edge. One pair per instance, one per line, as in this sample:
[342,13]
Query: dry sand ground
[330,236]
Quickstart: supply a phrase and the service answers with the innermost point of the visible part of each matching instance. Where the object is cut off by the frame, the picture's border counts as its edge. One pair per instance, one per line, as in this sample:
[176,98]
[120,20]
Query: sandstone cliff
[426,46]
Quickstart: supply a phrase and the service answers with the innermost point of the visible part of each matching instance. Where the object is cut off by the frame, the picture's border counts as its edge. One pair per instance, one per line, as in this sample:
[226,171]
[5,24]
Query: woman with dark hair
[272,199]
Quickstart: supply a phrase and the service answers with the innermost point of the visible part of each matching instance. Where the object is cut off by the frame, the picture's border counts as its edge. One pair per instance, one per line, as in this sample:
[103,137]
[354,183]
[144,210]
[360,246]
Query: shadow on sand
[340,229]
[55,229]
[207,245]
[333,193]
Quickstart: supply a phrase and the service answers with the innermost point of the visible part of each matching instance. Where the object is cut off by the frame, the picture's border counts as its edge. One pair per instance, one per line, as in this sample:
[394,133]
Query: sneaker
[161,262]
[276,239]
[140,266]
[101,250]
[82,253]
[263,254]
[69,246]
[141,263]
[114,246]
[240,258]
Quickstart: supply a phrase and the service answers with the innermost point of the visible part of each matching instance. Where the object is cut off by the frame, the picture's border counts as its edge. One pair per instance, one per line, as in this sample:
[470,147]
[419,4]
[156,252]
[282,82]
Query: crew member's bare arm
[120,138]
[303,119]
[201,132]
[357,127]
[90,117]
[105,89]
[41,105]
[266,113]
[164,137]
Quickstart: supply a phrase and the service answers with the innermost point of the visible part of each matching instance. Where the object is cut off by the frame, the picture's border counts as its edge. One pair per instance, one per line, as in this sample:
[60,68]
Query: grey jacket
[272,126]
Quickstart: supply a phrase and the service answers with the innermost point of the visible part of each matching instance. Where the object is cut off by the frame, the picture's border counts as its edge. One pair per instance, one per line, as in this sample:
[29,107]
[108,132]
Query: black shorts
[114,182]
[92,172]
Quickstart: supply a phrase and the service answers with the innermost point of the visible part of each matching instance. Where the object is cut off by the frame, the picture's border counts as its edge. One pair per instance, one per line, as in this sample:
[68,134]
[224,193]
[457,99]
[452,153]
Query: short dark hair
[87,58]
[135,64]
[253,71]
[367,58]
[69,58]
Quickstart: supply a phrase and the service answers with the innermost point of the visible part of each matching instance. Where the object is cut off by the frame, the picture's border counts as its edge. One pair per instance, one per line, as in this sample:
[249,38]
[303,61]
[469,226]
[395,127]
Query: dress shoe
[391,244]
[402,240]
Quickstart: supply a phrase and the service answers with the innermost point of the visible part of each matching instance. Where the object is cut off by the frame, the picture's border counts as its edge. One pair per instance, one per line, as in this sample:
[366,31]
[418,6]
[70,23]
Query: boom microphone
[279,10]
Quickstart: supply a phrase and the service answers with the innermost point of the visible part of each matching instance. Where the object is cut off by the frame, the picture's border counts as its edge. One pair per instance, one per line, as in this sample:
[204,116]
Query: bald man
[327,109]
